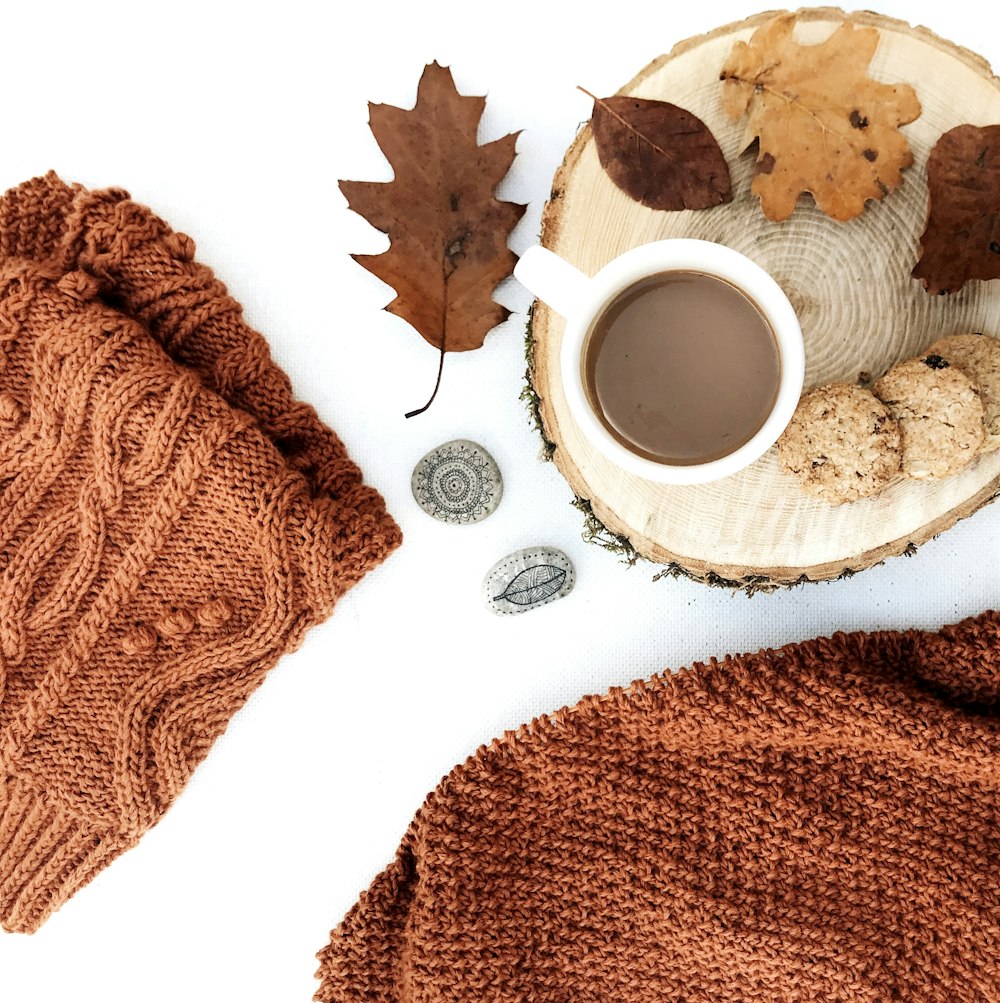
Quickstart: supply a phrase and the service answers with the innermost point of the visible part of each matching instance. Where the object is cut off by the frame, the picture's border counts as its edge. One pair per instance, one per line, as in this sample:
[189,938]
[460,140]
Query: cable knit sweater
[815,823]
[171,522]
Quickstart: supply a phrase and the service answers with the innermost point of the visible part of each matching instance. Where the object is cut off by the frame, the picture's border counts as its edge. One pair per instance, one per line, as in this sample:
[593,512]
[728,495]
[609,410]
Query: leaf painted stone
[458,482]
[528,579]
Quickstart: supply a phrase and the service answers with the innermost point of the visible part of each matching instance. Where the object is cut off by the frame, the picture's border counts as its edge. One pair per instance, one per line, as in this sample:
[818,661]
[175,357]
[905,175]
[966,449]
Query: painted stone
[458,482]
[528,579]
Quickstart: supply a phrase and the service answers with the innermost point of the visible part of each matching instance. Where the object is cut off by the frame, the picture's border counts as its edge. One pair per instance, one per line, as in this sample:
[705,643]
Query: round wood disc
[850,284]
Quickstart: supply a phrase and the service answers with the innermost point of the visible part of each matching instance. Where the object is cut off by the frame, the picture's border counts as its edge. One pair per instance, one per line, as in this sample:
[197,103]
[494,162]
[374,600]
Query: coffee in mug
[682,367]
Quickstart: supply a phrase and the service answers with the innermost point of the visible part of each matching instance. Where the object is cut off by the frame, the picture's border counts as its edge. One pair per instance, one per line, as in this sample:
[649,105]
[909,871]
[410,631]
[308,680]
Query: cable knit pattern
[818,822]
[166,534]
[150,271]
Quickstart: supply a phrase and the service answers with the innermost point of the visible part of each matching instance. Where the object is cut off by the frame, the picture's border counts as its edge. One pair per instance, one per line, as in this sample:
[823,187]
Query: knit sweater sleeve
[816,822]
[172,521]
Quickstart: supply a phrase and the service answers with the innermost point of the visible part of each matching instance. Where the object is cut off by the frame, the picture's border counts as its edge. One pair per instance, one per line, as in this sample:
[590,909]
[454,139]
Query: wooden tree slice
[850,285]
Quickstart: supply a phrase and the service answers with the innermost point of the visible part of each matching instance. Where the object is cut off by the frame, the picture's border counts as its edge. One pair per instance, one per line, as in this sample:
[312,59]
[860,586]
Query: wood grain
[850,285]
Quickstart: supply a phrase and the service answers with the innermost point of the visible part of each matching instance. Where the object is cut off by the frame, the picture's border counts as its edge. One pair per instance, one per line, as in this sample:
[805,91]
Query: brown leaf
[448,234]
[962,238]
[659,154]
[824,126]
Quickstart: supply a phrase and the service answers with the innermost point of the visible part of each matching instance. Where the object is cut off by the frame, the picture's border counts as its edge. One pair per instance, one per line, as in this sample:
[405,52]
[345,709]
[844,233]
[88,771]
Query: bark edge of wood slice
[850,284]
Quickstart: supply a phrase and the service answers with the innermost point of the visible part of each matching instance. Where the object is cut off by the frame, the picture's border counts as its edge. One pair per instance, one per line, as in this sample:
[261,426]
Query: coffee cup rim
[709,258]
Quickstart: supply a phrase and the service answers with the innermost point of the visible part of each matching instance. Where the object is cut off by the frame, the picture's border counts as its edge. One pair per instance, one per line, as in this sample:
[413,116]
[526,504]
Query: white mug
[582,299]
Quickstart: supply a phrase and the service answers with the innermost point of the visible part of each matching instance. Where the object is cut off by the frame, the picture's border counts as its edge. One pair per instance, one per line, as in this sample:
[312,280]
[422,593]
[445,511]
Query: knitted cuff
[46,854]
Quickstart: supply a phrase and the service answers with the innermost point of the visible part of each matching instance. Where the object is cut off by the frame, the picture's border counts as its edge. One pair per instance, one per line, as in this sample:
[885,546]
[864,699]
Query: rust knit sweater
[171,522]
[815,823]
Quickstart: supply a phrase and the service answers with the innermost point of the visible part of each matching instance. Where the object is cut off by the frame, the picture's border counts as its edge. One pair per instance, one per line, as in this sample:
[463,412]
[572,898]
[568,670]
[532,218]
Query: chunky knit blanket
[172,520]
[815,823]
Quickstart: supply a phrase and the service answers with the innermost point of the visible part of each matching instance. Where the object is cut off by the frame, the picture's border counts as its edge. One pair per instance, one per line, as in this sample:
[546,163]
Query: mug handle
[552,280]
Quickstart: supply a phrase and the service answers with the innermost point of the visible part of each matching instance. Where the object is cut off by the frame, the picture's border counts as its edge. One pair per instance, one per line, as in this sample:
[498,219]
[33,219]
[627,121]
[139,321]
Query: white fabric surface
[234,121]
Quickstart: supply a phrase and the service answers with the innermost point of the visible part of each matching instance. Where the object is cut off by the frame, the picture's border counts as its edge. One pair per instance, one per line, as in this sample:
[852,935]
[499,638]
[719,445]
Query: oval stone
[458,482]
[528,579]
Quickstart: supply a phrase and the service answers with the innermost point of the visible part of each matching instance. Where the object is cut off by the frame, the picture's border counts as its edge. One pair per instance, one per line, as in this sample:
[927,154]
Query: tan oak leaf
[824,125]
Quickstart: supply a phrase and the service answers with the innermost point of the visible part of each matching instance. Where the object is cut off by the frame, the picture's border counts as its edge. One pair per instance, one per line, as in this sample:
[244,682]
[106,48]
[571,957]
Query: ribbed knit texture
[171,522]
[815,823]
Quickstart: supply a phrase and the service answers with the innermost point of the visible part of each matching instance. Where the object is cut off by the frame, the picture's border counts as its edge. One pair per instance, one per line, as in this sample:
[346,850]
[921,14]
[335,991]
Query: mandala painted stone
[528,579]
[458,482]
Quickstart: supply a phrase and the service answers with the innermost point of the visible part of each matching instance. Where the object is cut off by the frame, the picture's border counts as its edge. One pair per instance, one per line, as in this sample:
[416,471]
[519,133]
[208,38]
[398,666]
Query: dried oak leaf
[659,154]
[824,126]
[962,237]
[447,232]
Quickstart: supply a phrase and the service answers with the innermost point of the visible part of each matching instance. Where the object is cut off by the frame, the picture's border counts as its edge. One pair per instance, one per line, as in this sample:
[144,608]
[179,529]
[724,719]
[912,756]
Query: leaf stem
[437,384]
[444,336]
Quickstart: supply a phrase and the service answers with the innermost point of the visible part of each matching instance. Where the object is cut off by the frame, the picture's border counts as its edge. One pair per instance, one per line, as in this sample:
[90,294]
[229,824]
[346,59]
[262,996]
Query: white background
[235,122]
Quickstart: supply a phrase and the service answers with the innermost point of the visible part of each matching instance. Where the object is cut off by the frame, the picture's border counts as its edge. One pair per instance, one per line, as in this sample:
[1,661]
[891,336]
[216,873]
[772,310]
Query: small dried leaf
[659,154]
[448,233]
[824,126]
[533,585]
[962,237]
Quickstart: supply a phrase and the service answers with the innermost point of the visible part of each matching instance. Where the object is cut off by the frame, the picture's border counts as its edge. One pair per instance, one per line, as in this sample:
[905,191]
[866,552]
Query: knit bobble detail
[215,613]
[141,641]
[80,286]
[176,624]
[180,245]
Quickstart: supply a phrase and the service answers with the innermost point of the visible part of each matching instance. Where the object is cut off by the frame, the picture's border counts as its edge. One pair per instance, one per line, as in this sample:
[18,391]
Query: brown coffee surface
[682,368]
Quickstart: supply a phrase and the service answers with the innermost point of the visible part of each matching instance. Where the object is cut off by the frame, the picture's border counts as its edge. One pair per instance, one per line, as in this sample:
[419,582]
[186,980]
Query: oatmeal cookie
[940,414]
[978,356]
[842,444]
